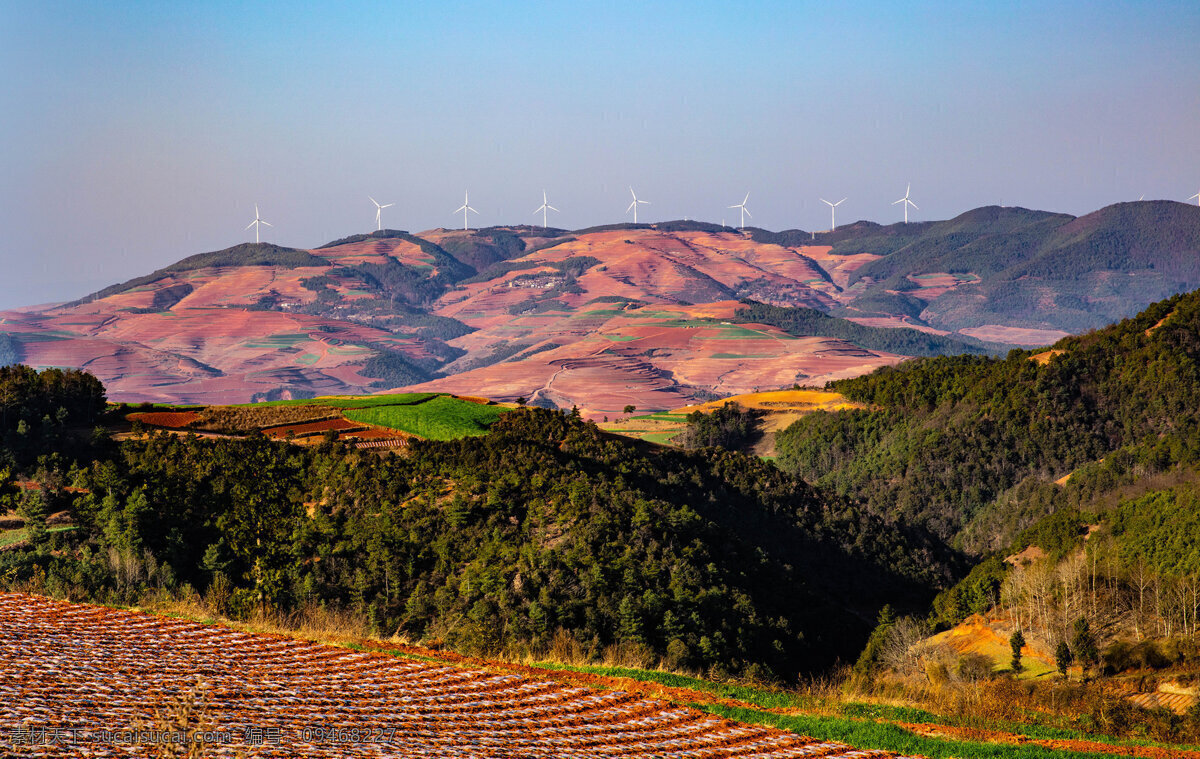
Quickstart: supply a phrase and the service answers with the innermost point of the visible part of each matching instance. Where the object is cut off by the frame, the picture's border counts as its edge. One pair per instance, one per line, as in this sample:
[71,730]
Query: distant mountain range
[655,316]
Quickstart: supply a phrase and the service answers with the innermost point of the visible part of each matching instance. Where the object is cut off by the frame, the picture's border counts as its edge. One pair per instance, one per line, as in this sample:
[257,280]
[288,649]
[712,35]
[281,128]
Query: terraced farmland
[83,670]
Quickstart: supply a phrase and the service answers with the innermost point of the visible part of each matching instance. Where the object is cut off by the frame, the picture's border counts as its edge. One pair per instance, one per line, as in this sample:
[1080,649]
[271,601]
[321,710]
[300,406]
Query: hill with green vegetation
[971,446]
[245,254]
[1036,269]
[904,341]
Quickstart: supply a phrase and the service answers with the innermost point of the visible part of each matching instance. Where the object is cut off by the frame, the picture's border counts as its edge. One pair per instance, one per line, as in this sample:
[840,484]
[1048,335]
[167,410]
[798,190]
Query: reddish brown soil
[311,428]
[168,419]
[652,357]
[80,670]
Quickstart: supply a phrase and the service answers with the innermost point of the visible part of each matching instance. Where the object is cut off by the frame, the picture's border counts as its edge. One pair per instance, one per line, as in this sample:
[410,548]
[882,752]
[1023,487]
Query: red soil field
[310,428]
[82,670]
[169,419]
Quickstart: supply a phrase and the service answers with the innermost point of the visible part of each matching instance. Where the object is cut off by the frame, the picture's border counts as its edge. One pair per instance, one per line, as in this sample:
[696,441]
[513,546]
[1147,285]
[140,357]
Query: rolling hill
[656,316]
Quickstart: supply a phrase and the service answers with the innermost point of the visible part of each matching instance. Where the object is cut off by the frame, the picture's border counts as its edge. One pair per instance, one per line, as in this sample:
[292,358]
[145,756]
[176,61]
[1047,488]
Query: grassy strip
[910,714]
[440,418]
[864,734]
[852,713]
[10,537]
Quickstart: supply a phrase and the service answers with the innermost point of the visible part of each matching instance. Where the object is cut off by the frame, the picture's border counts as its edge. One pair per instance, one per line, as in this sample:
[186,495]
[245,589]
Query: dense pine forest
[1069,475]
[970,446]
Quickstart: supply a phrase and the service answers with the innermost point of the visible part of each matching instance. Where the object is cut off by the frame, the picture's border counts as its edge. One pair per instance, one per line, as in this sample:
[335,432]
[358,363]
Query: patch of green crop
[440,418]
[11,537]
[662,438]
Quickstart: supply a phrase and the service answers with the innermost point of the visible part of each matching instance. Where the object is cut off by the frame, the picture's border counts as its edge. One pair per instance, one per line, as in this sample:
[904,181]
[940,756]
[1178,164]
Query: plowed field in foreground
[89,669]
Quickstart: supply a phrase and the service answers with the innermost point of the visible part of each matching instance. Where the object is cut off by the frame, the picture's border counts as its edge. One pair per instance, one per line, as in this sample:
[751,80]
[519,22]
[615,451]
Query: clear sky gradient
[137,133]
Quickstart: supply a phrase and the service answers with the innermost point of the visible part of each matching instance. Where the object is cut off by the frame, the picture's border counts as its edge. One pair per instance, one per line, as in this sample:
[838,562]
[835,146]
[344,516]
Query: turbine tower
[745,212]
[545,207]
[906,202]
[378,209]
[634,204]
[833,212]
[1197,197]
[466,206]
[257,223]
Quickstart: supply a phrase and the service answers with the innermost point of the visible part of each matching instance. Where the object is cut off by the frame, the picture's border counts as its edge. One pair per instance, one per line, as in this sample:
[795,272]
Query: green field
[9,537]
[439,418]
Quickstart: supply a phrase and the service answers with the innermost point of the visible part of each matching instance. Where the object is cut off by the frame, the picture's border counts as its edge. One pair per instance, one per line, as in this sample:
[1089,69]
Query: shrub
[973,667]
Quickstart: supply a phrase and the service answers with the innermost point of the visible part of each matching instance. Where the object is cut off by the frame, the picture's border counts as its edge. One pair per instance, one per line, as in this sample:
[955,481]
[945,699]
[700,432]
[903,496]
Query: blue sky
[137,133]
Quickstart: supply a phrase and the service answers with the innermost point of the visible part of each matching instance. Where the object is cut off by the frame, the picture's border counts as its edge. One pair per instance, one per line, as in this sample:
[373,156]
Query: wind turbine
[257,223]
[907,202]
[745,212]
[1197,197]
[634,204]
[466,206]
[378,210]
[545,207]
[833,212]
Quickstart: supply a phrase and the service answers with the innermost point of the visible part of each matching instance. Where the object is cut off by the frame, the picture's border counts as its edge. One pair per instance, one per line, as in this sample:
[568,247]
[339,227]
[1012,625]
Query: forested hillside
[544,532]
[971,446]
[1032,268]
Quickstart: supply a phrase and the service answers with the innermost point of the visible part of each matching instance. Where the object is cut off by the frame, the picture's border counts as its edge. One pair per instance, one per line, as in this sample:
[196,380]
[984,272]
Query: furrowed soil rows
[312,428]
[169,419]
[84,670]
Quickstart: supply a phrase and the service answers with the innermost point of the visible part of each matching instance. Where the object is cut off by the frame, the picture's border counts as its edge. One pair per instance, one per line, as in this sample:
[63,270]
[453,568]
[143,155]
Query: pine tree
[1017,642]
[1063,657]
[1084,644]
